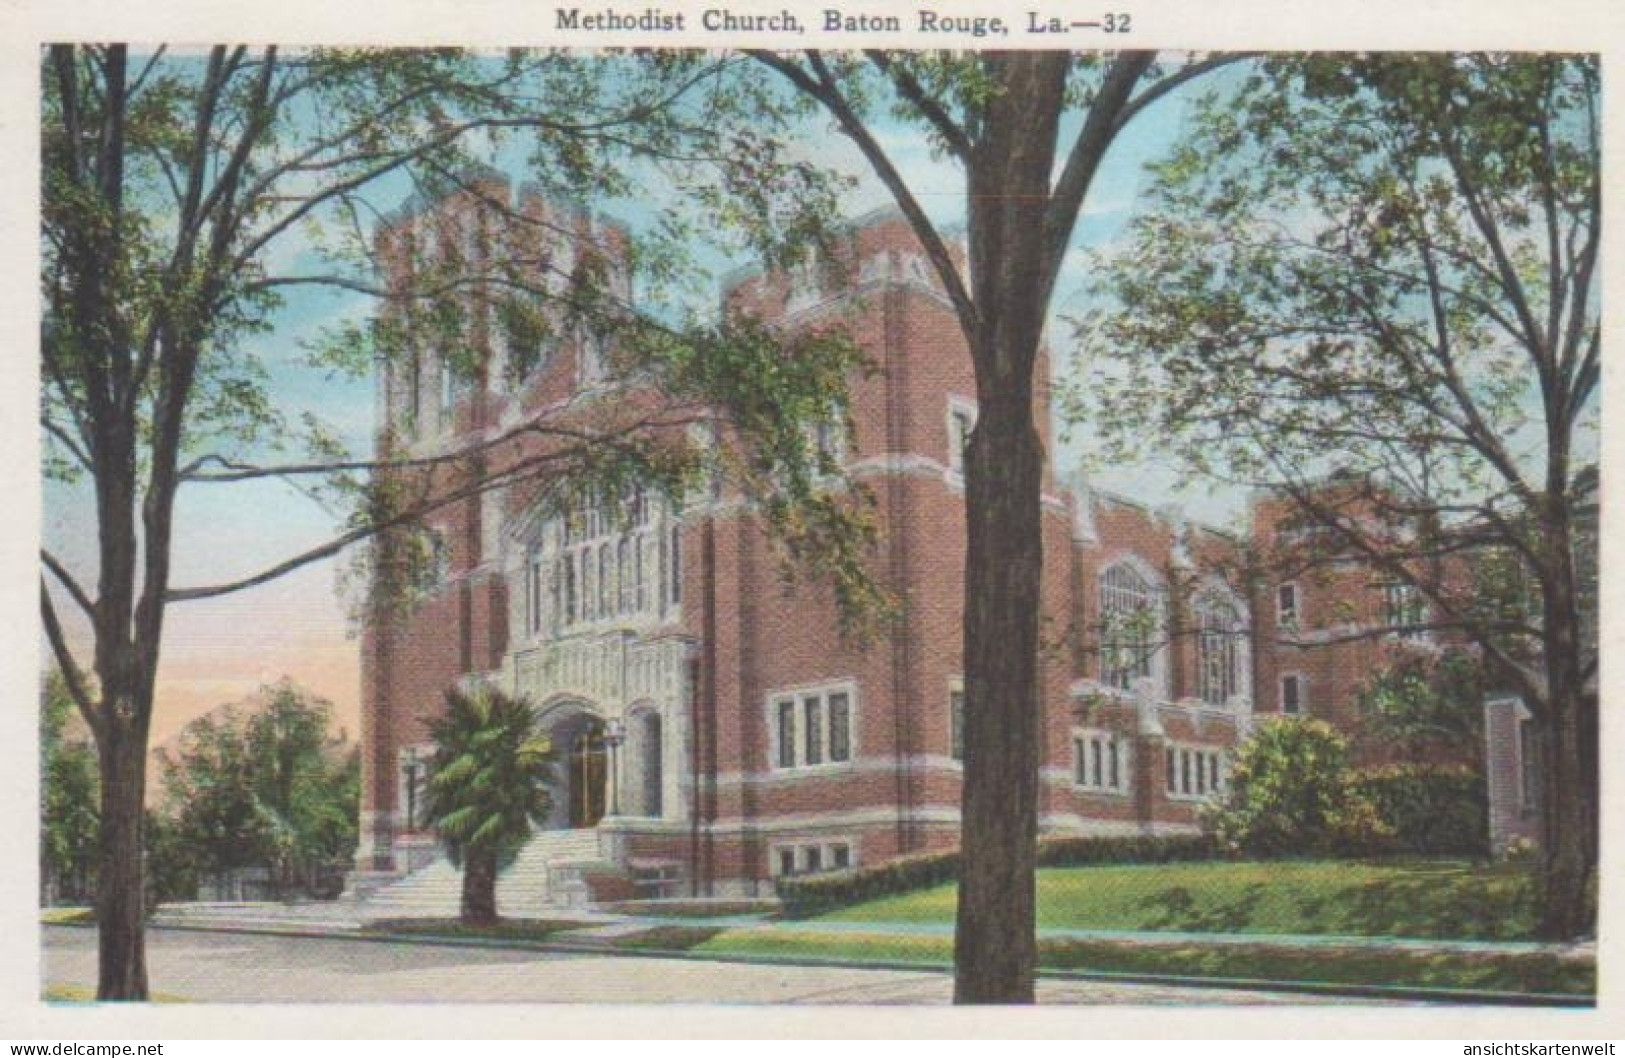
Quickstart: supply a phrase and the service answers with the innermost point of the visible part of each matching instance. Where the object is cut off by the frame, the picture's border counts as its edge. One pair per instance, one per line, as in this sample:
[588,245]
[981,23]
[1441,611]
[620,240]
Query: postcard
[992,519]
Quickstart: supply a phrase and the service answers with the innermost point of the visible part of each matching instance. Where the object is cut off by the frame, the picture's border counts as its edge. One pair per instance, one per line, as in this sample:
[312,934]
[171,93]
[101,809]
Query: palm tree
[487,784]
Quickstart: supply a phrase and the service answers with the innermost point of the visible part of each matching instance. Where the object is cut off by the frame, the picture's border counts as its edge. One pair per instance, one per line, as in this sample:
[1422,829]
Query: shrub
[1430,809]
[1079,852]
[815,894]
[1292,792]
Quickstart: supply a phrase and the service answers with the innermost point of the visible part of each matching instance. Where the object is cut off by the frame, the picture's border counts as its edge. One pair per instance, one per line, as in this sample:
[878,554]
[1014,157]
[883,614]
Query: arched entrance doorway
[589,773]
[581,754]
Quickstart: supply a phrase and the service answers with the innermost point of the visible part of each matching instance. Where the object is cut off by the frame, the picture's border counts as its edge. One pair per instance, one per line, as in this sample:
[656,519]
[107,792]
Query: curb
[1395,993]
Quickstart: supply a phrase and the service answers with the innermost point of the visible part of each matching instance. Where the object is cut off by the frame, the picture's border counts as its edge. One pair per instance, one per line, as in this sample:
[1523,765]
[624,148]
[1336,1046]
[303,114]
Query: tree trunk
[995,946]
[1567,747]
[1568,810]
[121,889]
[1569,846]
[479,887]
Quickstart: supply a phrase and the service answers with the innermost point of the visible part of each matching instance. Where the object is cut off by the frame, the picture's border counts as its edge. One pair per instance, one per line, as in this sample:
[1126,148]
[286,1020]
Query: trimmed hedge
[816,894]
[1430,809]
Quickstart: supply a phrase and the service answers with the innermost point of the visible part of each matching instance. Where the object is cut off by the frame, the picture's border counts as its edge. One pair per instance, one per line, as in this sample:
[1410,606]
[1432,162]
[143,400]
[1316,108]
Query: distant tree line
[260,800]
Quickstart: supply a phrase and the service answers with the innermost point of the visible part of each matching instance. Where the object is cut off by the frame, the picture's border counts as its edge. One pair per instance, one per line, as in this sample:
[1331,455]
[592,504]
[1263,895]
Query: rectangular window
[1286,605]
[1292,694]
[1403,610]
[812,858]
[676,556]
[956,724]
[448,388]
[1098,762]
[1195,772]
[840,728]
[812,728]
[787,733]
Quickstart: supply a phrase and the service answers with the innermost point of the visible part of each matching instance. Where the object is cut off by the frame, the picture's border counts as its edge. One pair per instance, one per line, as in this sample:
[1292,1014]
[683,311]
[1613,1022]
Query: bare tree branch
[955,137]
[65,662]
[67,441]
[540,466]
[1100,126]
[80,596]
[1164,86]
[824,89]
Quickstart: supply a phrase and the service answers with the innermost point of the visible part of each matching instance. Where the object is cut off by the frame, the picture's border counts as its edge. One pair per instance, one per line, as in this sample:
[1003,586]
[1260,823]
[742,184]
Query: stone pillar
[1150,742]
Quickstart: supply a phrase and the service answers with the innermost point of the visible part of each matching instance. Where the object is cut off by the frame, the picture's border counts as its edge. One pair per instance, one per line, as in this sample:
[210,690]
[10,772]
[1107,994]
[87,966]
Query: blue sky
[222,649]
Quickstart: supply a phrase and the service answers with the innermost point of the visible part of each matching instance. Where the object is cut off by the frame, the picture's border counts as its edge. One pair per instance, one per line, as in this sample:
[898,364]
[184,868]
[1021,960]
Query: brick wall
[758,637]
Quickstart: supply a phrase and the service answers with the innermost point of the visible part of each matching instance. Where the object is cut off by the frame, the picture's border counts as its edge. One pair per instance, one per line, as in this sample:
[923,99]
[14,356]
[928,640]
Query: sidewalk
[340,918]
[1297,960]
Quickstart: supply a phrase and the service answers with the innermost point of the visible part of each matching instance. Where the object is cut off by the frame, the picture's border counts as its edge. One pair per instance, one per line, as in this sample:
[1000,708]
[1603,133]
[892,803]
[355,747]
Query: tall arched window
[598,564]
[1131,626]
[1219,648]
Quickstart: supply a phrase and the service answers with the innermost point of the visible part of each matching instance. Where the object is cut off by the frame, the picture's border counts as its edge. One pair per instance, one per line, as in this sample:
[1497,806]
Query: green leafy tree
[307,785]
[1291,792]
[305,782]
[487,785]
[1426,703]
[262,786]
[172,862]
[186,195]
[68,799]
[210,798]
[1028,130]
[1386,266]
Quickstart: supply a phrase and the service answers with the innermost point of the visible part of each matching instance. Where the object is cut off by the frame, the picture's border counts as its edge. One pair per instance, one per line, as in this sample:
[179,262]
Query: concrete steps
[524,890]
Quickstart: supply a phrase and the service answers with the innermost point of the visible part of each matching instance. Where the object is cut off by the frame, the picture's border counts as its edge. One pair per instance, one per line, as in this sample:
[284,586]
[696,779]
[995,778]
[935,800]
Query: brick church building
[713,729]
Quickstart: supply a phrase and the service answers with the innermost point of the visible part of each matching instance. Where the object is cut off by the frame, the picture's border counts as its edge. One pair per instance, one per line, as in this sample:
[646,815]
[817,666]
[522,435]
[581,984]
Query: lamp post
[413,769]
[614,735]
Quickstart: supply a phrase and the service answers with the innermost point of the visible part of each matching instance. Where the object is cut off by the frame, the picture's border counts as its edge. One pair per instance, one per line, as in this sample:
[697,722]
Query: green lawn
[57,992]
[505,929]
[67,916]
[1514,972]
[1391,898]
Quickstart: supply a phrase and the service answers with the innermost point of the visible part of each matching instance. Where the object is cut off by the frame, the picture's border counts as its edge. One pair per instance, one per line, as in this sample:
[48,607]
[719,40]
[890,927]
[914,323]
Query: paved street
[236,968]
